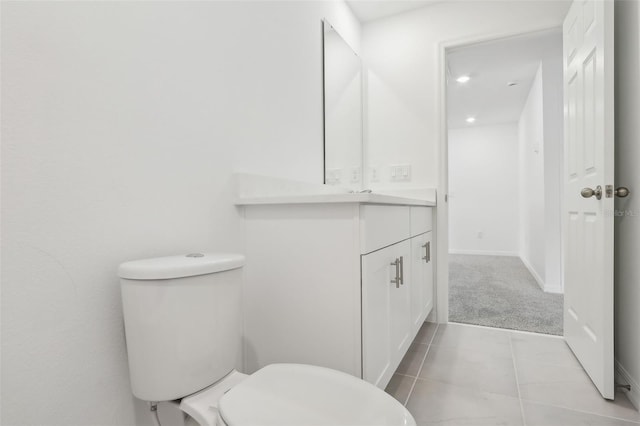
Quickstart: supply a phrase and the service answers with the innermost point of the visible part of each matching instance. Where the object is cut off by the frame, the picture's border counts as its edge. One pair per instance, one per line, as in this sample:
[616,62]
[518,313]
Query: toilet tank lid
[162,268]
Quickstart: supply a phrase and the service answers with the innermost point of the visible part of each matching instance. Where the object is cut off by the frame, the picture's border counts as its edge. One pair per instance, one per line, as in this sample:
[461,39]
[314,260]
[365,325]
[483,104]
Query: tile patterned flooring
[457,374]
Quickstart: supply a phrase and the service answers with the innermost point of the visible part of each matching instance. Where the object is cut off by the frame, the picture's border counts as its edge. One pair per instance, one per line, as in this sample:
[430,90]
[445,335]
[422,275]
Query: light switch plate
[333,177]
[400,173]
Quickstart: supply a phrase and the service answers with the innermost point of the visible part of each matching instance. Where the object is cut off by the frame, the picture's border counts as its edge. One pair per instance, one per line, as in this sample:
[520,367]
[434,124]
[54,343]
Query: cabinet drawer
[421,220]
[381,226]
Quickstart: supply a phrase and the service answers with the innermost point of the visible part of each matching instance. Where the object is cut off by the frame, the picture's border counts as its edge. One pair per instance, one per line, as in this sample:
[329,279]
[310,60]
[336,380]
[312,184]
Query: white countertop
[261,190]
[367,198]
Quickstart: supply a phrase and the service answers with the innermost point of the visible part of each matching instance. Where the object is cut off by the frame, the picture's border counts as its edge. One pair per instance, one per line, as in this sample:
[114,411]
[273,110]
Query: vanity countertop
[364,198]
[261,190]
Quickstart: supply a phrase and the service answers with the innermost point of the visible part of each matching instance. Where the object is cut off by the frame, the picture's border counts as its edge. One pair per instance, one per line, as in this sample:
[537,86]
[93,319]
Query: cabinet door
[422,280]
[386,320]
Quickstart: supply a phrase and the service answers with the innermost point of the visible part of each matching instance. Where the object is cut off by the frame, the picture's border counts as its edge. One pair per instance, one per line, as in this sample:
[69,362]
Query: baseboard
[553,288]
[623,377]
[484,252]
[533,272]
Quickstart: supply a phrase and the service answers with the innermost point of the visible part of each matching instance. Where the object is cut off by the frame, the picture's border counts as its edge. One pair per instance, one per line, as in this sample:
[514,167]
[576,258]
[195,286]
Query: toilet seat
[202,406]
[305,395]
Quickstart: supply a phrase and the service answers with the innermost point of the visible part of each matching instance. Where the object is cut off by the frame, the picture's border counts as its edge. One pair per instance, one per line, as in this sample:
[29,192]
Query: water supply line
[153,409]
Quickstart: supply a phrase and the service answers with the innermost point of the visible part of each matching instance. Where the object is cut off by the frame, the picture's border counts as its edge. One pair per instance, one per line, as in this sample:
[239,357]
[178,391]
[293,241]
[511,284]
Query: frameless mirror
[342,111]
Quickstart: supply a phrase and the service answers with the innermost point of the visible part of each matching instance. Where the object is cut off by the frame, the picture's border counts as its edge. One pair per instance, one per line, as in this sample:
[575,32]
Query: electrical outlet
[374,173]
[333,177]
[400,173]
[355,174]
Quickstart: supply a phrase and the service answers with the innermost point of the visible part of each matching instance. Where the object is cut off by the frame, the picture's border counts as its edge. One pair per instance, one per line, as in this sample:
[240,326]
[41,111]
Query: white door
[587,216]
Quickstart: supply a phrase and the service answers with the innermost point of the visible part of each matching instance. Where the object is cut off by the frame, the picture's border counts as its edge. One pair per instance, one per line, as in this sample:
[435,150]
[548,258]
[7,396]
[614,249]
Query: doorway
[505,134]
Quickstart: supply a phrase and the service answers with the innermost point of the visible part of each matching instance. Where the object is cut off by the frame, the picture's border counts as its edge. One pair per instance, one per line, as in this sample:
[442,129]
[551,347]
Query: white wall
[541,155]
[531,181]
[627,226]
[553,131]
[402,74]
[483,188]
[122,124]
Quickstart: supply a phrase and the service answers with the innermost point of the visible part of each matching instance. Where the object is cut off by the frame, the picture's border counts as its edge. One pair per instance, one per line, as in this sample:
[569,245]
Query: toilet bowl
[182,326]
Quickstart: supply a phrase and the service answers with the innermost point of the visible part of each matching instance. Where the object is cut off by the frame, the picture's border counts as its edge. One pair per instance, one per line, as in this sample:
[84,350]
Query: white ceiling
[492,65]
[368,10]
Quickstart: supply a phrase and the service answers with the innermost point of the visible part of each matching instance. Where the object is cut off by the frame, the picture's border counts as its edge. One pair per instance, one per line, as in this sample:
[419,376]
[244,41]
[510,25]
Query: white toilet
[182,318]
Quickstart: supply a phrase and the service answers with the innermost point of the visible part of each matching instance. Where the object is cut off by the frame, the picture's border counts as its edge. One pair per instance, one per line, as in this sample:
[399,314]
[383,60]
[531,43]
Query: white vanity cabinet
[397,286]
[386,319]
[422,259]
[318,285]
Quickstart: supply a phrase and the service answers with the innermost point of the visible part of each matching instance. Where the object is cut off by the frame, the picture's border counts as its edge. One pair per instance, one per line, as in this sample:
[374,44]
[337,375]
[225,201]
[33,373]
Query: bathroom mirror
[342,111]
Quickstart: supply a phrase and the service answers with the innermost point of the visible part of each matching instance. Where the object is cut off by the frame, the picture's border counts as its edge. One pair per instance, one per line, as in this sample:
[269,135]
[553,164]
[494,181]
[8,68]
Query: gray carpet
[499,291]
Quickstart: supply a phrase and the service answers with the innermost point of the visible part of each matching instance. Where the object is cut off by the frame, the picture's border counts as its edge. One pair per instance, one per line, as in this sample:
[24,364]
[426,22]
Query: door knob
[588,192]
[621,192]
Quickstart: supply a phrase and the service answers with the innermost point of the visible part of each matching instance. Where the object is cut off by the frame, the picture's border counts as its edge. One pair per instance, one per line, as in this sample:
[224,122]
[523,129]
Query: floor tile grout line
[415,380]
[515,372]
[591,413]
[465,387]
[513,333]
[511,337]
[404,375]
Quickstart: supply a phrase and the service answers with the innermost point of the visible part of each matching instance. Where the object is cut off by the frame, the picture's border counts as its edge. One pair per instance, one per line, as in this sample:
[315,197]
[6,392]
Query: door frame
[442,209]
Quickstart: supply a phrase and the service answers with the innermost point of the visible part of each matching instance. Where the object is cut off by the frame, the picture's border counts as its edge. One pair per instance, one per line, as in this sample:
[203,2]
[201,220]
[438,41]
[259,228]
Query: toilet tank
[182,318]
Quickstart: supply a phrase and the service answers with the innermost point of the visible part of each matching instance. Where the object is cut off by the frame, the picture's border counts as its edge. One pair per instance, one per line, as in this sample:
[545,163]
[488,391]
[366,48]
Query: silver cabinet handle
[401,270]
[427,252]
[396,281]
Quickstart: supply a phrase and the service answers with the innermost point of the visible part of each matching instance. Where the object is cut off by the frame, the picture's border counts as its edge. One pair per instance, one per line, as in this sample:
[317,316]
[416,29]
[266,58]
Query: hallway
[499,291]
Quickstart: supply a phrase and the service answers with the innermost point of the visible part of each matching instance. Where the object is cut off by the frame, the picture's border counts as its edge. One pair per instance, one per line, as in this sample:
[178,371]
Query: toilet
[183,325]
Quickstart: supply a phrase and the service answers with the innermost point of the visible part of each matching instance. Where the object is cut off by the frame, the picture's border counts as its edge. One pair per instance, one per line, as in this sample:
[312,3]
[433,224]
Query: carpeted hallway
[499,291]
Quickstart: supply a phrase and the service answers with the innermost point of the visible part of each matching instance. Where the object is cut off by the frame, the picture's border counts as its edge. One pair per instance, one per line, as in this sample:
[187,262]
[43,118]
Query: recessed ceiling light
[463,79]
[470,119]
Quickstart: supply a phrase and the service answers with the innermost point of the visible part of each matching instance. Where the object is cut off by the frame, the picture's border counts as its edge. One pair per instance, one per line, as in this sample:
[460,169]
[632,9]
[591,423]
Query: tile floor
[458,374]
